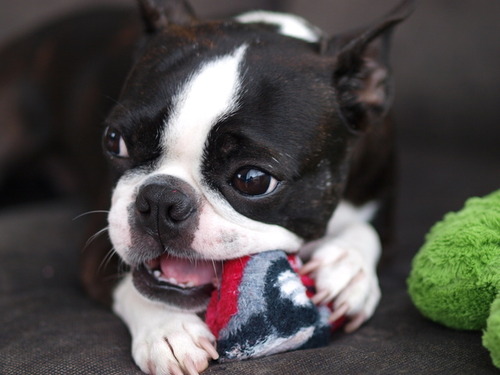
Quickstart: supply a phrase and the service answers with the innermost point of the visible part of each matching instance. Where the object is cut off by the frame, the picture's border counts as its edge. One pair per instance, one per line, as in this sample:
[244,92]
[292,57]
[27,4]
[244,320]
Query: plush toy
[263,307]
[455,277]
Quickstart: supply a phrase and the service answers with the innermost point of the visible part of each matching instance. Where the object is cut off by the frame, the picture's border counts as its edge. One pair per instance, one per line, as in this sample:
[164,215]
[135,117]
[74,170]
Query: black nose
[165,205]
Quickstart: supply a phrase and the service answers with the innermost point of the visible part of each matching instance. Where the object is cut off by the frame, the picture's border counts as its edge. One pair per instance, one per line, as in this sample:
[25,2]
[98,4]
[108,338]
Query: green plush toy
[455,277]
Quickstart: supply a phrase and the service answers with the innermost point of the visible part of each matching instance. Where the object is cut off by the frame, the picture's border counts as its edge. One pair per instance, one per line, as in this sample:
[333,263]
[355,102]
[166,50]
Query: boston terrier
[232,138]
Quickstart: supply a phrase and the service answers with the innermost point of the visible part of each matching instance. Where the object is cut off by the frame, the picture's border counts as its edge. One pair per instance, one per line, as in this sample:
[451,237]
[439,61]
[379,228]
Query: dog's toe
[174,350]
[358,300]
[345,279]
[335,274]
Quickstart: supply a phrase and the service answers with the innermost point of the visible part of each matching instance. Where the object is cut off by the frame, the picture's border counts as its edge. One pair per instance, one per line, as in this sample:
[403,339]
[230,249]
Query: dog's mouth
[183,273]
[186,283]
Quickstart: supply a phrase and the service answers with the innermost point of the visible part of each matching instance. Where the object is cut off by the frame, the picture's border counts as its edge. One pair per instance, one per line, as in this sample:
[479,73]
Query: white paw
[174,347]
[344,277]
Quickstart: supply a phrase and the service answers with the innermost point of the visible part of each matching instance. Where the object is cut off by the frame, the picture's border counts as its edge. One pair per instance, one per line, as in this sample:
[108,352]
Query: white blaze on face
[210,94]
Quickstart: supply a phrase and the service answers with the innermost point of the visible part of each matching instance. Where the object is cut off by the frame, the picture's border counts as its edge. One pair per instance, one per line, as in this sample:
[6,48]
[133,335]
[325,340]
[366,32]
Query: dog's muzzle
[166,210]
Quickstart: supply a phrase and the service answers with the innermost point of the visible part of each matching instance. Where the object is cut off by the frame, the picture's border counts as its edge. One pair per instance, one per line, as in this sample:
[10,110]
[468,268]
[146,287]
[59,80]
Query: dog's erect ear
[361,71]
[158,14]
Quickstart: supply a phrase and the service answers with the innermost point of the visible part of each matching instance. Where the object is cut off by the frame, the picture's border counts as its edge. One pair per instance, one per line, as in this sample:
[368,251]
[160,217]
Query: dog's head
[233,137]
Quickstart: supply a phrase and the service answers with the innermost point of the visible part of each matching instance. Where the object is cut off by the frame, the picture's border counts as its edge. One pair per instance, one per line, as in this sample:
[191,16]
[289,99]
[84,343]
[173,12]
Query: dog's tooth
[158,274]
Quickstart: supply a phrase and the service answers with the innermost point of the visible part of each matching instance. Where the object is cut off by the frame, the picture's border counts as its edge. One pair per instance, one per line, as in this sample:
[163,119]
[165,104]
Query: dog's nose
[165,204]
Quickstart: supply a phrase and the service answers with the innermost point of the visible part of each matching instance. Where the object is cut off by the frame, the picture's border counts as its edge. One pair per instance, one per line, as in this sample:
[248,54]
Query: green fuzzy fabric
[455,276]
[491,337]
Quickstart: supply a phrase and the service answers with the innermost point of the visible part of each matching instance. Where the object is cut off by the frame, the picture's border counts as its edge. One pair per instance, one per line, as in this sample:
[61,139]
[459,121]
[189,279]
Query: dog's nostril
[142,205]
[180,211]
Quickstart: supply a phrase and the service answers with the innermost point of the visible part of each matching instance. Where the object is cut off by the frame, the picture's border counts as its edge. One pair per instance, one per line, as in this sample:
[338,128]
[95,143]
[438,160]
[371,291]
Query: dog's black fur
[57,85]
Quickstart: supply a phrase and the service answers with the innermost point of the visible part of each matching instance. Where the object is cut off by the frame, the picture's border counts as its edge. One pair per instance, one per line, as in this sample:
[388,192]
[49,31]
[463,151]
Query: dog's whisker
[107,258]
[215,271]
[90,213]
[122,268]
[105,261]
[94,236]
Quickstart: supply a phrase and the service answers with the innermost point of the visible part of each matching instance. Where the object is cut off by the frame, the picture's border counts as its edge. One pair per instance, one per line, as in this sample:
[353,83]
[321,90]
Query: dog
[231,138]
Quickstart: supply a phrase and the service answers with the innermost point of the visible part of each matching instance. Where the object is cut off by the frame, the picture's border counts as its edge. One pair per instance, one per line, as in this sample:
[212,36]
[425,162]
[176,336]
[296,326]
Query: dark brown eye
[253,181]
[114,144]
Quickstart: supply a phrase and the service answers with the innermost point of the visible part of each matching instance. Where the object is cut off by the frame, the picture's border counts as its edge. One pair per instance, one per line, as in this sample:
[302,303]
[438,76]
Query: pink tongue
[185,271]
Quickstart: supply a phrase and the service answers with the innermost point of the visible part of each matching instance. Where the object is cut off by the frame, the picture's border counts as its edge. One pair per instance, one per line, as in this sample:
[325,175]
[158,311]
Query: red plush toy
[263,307]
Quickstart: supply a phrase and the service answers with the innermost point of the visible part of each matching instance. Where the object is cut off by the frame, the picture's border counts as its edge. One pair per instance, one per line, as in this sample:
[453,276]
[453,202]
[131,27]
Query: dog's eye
[114,143]
[252,181]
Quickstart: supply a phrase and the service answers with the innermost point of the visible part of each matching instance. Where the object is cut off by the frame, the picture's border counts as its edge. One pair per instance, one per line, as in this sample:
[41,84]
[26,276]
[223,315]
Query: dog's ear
[361,75]
[158,14]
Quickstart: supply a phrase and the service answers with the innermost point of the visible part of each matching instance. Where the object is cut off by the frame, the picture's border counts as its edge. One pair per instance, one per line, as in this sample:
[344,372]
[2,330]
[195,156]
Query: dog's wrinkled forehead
[180,50]
[189,79]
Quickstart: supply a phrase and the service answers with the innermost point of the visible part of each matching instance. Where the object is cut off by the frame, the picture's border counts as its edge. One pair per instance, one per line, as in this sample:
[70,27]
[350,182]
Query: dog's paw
[343,277]
[174,347]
